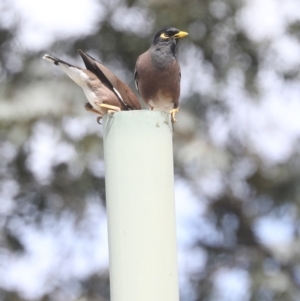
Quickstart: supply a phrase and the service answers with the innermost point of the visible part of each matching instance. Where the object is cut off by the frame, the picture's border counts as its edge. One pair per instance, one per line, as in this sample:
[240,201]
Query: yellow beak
[180,34]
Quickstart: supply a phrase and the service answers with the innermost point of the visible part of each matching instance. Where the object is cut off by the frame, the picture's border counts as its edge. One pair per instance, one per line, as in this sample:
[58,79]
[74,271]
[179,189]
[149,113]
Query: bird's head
[168,35]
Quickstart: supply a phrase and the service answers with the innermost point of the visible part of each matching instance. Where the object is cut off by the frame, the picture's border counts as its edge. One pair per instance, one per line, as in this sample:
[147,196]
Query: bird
[157,72]
[105,92]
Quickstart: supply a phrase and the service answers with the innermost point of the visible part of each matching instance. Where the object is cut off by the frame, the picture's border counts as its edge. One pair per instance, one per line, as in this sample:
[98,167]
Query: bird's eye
[164,35]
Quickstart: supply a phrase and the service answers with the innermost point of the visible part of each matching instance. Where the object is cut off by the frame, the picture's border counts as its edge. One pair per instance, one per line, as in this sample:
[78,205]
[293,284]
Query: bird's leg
[151,108]
[89,108]
[173,113]
[111,109]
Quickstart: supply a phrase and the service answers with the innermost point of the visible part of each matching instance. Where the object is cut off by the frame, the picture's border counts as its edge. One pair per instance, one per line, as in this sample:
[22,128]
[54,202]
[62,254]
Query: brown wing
[124,93]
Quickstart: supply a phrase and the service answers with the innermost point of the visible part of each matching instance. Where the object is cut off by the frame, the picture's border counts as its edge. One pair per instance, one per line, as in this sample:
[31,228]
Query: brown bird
[105,92]
[157,72]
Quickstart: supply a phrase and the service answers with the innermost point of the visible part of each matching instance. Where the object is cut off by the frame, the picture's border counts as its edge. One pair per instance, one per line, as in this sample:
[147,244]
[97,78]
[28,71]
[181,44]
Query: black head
[168,35]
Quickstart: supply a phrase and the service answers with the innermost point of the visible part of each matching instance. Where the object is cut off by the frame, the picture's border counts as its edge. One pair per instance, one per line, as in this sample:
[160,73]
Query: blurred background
[236,146]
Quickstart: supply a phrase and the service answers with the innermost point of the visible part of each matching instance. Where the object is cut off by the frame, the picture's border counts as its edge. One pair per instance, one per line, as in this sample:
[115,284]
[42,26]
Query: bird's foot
[173,113]
[112,112]
[89,108]
[111,109]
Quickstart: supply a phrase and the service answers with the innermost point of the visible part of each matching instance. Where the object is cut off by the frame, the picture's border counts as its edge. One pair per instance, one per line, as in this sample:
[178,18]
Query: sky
[274,130]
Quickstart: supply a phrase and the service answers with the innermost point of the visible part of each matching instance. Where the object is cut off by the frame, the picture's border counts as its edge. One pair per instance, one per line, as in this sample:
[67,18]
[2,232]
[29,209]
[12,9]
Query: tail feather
[56,60]
[78,75]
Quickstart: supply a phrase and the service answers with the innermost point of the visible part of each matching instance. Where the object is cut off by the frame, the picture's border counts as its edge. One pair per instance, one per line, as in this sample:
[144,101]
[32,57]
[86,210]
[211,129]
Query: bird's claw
[111,109]
[99,119]
[111,113]
[173,113]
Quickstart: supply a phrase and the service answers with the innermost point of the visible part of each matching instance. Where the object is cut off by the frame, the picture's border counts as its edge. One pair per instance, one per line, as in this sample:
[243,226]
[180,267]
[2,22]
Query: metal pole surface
[139,181]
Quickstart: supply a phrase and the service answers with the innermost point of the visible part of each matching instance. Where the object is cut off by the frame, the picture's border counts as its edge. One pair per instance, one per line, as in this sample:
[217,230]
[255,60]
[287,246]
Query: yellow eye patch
[178,35]
[163,35]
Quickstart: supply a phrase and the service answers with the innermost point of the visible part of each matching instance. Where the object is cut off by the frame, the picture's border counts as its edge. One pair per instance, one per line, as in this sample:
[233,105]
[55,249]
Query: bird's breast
[162,59]
[158,80]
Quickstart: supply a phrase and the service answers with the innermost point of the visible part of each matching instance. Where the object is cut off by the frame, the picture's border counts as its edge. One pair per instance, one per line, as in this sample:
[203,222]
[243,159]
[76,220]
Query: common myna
[105,92]
[157,72]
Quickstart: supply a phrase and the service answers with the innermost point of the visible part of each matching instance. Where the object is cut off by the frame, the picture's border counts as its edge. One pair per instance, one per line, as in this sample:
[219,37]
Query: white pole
[140,206]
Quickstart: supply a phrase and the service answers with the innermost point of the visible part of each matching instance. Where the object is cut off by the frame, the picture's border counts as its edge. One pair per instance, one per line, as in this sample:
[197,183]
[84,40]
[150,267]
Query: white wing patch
[119,95]
[136,80]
